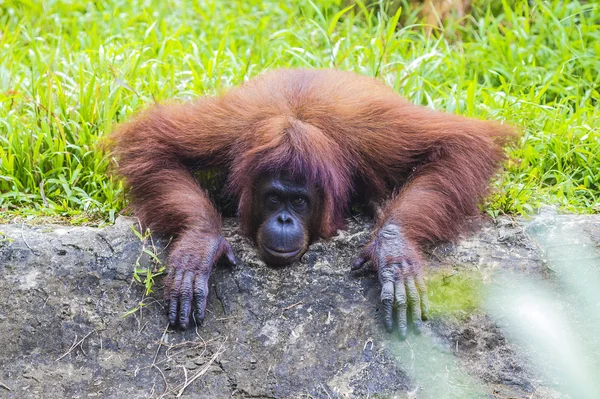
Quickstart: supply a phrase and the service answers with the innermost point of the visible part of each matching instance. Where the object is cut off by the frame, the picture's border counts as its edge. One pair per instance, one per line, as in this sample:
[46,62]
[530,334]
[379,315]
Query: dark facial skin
[284,209]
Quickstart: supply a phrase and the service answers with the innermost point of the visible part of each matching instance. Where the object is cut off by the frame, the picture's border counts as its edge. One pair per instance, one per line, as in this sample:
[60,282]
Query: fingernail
[388,325]
[387,312]
[402,331]
[417,327]
[357,264]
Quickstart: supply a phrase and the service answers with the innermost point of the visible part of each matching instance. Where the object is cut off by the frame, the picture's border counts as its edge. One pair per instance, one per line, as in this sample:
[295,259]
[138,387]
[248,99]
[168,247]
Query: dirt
[308,330]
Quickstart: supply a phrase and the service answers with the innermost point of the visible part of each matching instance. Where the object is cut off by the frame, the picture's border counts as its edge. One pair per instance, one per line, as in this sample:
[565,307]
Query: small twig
[75,345]
[267,377]
[159,345]
[25,241]
[326,391]
[190,344]
[292,306]
[169,356]
[202,371]
[143,327]
[164,380]
[154,363]
[412,353]
[5,386]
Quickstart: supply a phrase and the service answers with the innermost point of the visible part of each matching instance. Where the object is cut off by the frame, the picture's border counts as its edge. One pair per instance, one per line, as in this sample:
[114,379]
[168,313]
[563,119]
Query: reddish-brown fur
[334,128]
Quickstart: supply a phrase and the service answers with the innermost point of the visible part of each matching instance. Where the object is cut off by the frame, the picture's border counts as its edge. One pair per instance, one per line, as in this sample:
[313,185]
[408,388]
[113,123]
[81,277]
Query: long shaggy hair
[335,129]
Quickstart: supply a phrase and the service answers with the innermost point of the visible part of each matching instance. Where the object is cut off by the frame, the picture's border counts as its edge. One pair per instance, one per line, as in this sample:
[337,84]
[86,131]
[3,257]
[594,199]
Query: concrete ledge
[308,330]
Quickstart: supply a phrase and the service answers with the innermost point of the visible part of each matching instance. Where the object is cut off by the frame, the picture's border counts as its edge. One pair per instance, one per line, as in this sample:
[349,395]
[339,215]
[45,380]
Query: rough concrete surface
[308,330]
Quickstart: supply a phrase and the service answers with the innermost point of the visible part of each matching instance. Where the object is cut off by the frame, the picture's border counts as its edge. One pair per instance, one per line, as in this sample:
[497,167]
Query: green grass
[69,71]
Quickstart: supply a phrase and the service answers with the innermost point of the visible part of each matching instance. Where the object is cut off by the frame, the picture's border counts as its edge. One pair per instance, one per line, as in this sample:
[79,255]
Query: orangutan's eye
[298,202]
[274,198]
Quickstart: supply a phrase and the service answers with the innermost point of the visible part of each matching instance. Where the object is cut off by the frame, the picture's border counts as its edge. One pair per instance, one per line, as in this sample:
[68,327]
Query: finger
[387,299]
[414,303]
[401,306]
[359,263]
[185,299]
[228,251]
[363,258]
[174,296]
[424,299]
[200,295]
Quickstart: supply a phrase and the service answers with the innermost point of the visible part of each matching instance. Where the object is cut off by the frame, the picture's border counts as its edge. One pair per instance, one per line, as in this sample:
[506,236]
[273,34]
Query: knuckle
[414,301]
[387,296]
[185,296]
[200,293]
[401,301]
[389,231]
[387,273]
[174,295]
